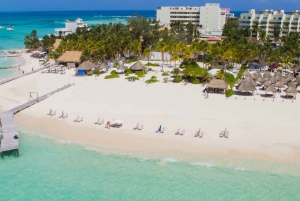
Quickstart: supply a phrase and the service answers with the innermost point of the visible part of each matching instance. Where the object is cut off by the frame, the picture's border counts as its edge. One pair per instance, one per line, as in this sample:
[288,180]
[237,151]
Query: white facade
[210,16]
[267,19]
[70,27]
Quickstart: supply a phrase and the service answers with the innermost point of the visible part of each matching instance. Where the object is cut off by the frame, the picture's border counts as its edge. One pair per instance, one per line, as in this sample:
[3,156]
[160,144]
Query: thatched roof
[257,61]
[41,49]
[255,76]
[291,90]
[261,79]
[70,56]
[292,84]
[271,88]
[103,66]
[297,80]
[267,83]
[122,67]
[246,74]
[273,80]
[137,66]
[246,86]
[279,74]
[249,79]
[56,44]
[217,84]
[87,65]
[267,75]
[279,84]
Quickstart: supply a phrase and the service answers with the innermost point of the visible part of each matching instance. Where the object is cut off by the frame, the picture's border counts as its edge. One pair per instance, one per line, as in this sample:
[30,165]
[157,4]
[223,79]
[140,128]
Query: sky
[235,5]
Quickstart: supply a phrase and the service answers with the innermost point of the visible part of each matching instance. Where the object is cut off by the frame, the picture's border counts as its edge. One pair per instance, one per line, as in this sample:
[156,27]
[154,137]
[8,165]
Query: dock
[10,136]
[3,81]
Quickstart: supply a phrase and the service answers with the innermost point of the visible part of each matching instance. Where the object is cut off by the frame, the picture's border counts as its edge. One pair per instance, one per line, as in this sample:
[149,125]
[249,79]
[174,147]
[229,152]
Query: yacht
[1,27]
[10,28]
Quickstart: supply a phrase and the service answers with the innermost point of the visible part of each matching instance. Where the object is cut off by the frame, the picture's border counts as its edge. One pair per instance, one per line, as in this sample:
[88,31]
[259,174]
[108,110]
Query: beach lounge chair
[141,127]
[137,126]
[54,113]
[81,119]
[102,122]
[221,134]
[62,115]
[182,132]
[98,121]
[50,112]
[158,129]
[201,134]
[178,131]
[226,135]
[77,119]
[65,116]
[163,130]
[197,133]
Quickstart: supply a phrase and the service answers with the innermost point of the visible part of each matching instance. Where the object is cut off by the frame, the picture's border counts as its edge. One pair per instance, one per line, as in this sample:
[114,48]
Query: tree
[176,72]
[277,32]
[255,28]
[175,58]
[162,47]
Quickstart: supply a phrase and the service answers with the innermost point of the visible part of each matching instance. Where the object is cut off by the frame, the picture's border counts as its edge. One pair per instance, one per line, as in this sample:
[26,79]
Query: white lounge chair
[197,133]
[178,131]
[54,113]
[102,122]
[226,135]
[163,130]
[201,134]
[81,119]
[141,127]
[62,115]
[98,121]
[77,119]
[65,116]
[182,132]
[221,134]
[50,112]
[137,126]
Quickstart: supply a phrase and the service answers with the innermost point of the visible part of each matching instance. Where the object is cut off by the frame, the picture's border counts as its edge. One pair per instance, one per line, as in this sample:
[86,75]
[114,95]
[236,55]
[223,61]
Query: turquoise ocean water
[48,170]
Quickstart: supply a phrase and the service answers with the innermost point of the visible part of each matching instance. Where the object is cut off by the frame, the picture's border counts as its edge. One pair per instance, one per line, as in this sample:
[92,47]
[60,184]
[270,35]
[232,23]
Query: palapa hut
[267,83]
[256,63]
[246,86]
[291,90]
[267,75]
[85,67]
[122,67]
[71,58]
[138,66]
[261,80]
[103,67]
[292,84]
[255,76]
[246,74]
[249,79]
[273,80]
[279,84]
[217,86]
[297,80]
[272,89]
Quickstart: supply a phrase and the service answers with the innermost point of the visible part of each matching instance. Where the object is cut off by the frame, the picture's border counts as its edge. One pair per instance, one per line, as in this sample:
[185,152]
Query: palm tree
[175,58]
[162,47]
[277,32]
[255,28]
[176,71]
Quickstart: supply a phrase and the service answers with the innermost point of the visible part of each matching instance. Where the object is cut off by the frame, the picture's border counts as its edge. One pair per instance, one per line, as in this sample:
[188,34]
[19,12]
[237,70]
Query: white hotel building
[70,27]
[267,19]
[210,17]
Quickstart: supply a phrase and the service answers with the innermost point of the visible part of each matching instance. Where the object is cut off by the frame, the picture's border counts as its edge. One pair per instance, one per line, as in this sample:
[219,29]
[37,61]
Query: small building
[70,58]
[217,86]
[213,39]
[85,68]
[70,28]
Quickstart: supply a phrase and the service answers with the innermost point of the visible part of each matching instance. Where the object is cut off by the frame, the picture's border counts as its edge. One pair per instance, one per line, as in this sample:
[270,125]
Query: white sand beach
[259,129]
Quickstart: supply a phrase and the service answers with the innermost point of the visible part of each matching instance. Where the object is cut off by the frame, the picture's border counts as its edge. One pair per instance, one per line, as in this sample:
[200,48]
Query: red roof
[213,39]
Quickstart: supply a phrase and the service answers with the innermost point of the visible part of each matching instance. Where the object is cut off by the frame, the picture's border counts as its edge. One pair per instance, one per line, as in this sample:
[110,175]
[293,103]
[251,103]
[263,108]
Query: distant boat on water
[1,27]
[10,28]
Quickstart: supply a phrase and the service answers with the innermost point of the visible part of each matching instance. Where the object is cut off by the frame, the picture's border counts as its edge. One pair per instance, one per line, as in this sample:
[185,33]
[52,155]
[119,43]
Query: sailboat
[10,28]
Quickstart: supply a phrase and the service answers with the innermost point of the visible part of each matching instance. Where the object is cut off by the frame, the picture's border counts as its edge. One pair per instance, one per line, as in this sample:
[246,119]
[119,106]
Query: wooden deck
[3,81]
[9,125]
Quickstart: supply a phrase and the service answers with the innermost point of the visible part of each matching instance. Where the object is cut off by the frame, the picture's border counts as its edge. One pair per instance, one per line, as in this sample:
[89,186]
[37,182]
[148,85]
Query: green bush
[165,74]
[187,64]
[140,73]
[195,80]
[177,79]
[113,72]
[152,80]
[229,92]
[97,72]
[131,60]
[136,78]
[111,76]
[116,64]
[89,74]
[151,64]
[279,70]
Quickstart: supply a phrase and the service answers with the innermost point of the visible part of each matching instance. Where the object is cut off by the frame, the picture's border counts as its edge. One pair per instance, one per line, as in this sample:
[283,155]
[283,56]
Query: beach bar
[70,58]
[217,86]
[85,68]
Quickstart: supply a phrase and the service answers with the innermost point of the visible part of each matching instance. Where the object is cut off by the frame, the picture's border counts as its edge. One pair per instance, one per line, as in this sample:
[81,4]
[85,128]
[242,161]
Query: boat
[1,27]
[10,28]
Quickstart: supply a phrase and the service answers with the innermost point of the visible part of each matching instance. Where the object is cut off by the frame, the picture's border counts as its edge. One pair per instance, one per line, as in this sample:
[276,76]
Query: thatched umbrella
[273,80]
[289,78]
[279,84]
[246,86]
[261,79]
[278,77]
[138,66]
[86,65]
[217,85]
[267,75]
[278,74]
[103,67]
[297,80]
[267,83]
[246,74]
[291,84]
[255,76]
[249,79]
[122,67]
[291,90]
[272,89]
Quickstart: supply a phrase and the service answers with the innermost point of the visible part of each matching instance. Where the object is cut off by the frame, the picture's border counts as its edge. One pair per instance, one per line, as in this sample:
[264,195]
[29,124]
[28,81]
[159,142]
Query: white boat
[10,28]
[1,27]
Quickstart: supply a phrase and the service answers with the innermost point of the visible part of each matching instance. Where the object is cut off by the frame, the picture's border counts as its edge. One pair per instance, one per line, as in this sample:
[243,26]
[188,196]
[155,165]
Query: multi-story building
[210,16]
[274,23]
[70,27]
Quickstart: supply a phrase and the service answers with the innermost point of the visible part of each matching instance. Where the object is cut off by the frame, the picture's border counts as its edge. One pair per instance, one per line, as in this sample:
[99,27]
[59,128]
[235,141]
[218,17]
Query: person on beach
[108,125]
[23,72]
[32,68]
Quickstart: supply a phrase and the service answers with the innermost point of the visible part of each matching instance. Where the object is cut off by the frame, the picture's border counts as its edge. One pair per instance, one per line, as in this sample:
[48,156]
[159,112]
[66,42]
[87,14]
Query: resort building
[274,23]
[70,58]
[70,27]
[209,17]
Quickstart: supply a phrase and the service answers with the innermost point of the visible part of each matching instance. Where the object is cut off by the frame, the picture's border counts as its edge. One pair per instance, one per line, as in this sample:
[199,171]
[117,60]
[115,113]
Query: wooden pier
[9,126]
[19,76]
